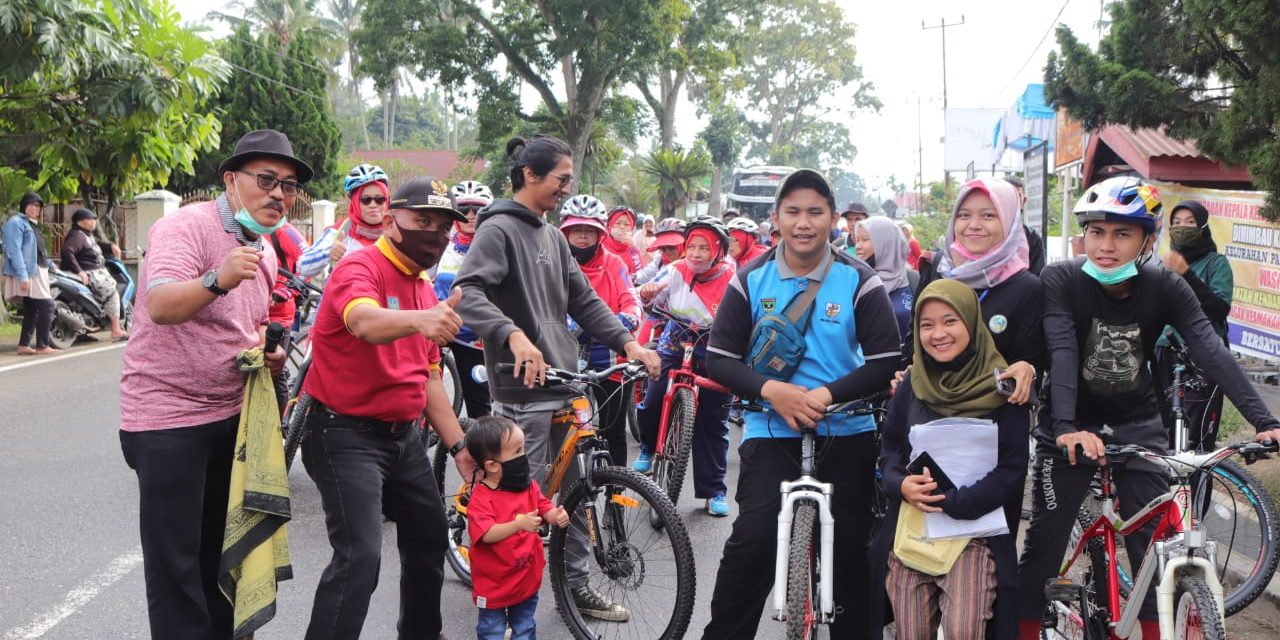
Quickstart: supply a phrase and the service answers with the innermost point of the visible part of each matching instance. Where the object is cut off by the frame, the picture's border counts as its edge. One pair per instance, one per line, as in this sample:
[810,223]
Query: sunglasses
[468,210]
[268,182]
[564,180]
[367,200]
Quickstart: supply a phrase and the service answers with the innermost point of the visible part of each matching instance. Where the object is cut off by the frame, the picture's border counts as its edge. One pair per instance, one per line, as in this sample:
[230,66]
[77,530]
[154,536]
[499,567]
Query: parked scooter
[77,313]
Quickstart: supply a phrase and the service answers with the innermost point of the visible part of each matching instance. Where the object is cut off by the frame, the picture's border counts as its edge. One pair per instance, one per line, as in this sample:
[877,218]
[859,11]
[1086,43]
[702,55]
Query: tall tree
[1212,78]
[271,91]
[799,72]
[723,138]
[346,18]
[282,21]
[590,46]
[702,40]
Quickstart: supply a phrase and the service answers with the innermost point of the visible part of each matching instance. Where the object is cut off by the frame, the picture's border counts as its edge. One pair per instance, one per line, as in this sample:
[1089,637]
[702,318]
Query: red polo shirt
[359,379]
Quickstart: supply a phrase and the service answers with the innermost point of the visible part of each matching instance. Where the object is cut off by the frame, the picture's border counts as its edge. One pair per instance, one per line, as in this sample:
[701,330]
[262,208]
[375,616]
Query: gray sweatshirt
[520,275]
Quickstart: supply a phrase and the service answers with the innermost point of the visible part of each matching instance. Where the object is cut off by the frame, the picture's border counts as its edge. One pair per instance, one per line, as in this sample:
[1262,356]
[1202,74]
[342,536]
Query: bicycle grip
[275,333]
[505,367]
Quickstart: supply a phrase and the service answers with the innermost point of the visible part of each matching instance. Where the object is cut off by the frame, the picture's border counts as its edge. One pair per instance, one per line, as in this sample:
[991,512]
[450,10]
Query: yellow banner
[1252,245]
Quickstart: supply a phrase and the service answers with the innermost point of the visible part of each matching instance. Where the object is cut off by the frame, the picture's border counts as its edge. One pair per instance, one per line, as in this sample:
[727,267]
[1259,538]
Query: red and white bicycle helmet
[470,192]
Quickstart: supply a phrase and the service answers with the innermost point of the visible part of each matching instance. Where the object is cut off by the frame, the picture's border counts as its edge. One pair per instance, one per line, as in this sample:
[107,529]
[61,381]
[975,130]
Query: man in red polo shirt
[375,366]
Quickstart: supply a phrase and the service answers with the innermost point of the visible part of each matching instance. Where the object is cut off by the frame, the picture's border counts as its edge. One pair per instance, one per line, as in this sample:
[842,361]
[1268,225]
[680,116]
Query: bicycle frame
[1176,546]
[683,378]
[807,487]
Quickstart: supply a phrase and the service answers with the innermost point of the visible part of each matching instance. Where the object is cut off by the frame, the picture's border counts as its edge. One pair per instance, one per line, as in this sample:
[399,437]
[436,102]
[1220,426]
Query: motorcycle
[77,313]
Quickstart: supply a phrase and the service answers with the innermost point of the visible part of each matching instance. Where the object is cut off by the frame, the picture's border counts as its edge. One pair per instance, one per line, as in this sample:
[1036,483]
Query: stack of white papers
[966,450]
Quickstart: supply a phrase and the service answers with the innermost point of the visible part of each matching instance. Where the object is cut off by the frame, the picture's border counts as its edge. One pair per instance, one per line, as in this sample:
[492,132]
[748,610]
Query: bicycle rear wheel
[670,464]
[1237,513]
[452,380]
[647,570]
[295,414]
[1195,613]
[802,574]
[1077,606]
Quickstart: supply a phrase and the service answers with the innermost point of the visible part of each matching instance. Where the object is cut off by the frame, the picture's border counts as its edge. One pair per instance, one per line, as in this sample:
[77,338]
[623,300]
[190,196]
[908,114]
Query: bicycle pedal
[1061,590]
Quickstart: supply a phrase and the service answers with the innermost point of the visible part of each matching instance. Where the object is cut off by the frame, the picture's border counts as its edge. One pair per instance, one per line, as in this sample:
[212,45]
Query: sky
[1000,48]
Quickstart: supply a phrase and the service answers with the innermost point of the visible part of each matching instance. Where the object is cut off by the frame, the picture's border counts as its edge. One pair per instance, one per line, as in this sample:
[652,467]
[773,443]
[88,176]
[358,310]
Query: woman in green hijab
[973,596]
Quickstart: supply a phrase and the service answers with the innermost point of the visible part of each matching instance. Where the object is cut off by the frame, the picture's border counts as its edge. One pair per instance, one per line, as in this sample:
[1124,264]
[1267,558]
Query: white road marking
[77,597]
[35,360]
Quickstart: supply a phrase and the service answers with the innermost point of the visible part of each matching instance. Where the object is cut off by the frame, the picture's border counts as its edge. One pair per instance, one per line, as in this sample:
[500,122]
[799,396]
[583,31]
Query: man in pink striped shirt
[205,287]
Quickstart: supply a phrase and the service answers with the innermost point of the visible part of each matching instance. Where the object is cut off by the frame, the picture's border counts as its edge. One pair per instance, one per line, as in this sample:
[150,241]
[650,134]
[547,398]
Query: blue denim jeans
[493,623]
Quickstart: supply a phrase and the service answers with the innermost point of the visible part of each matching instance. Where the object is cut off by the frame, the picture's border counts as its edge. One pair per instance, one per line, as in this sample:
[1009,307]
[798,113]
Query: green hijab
[965,387]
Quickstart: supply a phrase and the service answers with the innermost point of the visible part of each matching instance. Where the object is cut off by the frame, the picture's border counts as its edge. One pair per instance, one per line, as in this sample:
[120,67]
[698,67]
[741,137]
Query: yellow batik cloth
[255,549]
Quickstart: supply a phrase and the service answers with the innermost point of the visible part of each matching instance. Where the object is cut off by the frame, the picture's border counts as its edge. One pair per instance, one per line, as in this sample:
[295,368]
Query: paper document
[966,448]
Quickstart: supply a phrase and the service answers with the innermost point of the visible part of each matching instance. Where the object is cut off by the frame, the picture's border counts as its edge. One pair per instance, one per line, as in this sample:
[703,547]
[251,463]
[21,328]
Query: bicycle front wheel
[1237,513]
[295,415]
[1195,613]
[671,463]
[610,553]
[802,571]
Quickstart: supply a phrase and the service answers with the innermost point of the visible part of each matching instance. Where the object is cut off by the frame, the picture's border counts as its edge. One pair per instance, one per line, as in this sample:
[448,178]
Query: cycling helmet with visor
[361,175]
[470,193]
[1121,199]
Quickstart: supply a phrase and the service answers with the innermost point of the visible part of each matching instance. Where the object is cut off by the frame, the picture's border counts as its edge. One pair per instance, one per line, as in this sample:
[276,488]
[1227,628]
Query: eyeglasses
[268,182]
[367,200]
[564,179]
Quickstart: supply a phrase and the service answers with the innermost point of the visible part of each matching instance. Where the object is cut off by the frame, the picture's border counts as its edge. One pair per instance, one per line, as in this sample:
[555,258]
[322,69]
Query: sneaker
[644,462]
[592,604]
[718,506]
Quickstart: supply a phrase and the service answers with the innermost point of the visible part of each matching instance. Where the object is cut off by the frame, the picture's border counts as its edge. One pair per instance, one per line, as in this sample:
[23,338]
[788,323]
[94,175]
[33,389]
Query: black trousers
[184,476]
[1057,490]
[745,578]
[37,318]
[475,395]
[611,411]
[364,472]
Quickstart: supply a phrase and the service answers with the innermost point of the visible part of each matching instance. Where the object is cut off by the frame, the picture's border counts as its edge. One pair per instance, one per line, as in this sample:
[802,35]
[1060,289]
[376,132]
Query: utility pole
[919,160]
[942,26]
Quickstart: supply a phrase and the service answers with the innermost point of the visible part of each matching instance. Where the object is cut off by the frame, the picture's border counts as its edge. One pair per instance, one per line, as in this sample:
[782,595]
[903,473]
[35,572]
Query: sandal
[26,351]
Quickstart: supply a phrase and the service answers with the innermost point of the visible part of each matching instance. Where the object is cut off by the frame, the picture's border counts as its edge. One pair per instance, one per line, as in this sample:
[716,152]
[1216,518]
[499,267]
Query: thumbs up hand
[441,323]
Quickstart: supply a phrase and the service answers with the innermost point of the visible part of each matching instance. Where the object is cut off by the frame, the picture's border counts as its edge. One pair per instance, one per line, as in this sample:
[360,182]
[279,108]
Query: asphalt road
[70,565]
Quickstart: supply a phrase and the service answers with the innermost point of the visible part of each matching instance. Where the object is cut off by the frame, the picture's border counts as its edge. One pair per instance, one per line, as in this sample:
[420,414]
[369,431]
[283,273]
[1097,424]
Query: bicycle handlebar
[630,370]
[684,324]
[1251,452]
[293,281]
[865,406]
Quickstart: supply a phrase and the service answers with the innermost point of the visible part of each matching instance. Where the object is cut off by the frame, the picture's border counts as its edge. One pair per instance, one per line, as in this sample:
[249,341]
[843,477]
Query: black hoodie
[520,275]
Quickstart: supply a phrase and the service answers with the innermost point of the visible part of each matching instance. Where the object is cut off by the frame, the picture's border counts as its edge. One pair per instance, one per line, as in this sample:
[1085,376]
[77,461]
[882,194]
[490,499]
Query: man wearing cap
[82,254]
[375,368]
[204,290]
[851,350]
[853,213]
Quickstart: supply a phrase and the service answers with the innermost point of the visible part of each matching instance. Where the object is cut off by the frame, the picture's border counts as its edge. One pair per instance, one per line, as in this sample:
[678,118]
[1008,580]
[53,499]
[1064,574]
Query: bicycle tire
[1085,517]
[459,554]
[1243,491]
[626,496]
[633,418]
[295,414]
[1195,613]
[452,381]
[440,456]
[802,580]
[678,446]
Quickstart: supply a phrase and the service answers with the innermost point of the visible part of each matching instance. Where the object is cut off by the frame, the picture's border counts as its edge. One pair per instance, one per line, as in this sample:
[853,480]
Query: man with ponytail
[518,283]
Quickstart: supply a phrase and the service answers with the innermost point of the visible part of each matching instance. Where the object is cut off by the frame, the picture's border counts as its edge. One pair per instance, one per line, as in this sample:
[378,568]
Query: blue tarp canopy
[1026,123]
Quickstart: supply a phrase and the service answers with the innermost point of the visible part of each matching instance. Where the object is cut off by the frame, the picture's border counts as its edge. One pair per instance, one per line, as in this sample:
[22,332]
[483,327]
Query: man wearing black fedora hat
[375,368]
[204,290]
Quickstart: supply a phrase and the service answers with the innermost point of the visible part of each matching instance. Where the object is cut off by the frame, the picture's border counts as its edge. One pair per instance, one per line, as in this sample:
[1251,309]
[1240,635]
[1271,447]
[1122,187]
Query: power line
[287,86]
[279,54]
[1033,52]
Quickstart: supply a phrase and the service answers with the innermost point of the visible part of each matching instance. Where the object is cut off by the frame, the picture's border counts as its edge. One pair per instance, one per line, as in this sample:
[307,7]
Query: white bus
[752,189]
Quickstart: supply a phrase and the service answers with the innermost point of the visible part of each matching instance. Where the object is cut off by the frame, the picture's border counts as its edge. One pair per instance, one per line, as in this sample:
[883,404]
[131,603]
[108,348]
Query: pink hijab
[1000,263]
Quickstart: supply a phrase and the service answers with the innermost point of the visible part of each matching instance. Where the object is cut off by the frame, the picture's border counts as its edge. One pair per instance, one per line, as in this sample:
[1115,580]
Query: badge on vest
[998,323]
[393,303]
[833,309]
[767,304]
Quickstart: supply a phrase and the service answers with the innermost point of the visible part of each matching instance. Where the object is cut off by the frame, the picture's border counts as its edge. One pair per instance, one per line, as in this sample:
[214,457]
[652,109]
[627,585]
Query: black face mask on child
[515,474]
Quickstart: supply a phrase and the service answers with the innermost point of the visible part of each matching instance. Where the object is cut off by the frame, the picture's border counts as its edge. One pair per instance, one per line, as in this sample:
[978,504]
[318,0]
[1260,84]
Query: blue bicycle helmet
[363,174]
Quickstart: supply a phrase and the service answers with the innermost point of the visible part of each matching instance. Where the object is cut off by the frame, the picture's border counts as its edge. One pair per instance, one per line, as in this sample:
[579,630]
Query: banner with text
[1253,247]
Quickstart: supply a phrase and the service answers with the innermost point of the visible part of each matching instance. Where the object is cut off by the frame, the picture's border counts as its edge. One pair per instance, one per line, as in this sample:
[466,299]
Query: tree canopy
[1203,69]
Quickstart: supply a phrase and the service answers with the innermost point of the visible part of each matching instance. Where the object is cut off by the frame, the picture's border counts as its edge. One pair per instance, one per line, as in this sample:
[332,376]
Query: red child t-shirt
[509,571]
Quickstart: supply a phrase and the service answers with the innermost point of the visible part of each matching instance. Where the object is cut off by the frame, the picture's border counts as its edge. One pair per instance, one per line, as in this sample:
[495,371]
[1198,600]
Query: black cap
[83,214]
[426,194]
[265,143]
[28,198]
[807,179]
[855,207]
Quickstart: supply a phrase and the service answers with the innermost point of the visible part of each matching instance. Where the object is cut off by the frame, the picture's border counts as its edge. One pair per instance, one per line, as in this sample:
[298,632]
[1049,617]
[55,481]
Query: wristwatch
[211,283]
[457,446]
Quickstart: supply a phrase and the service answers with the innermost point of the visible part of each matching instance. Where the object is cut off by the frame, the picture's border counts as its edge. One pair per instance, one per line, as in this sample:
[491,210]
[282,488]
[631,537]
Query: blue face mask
[1112,276]
[253,226]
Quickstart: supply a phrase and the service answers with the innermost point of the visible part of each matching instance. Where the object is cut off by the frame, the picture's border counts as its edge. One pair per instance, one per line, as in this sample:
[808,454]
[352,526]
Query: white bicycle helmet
[743,224]
[583,210]
[472,193]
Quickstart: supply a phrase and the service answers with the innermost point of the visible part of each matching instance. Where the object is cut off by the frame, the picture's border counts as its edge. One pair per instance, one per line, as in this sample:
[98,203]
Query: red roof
[437,164]
[1156,156]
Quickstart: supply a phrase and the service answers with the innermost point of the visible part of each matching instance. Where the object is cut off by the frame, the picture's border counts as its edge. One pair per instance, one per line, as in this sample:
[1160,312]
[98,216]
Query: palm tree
[284,20]
[634,187]
[677,173]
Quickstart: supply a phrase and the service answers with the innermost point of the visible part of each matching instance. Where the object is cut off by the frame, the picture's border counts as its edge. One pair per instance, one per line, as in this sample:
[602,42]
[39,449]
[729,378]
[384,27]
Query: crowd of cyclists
[815,307]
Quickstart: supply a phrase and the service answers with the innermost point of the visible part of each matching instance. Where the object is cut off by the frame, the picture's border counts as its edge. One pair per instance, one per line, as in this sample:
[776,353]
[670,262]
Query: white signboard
[970,138]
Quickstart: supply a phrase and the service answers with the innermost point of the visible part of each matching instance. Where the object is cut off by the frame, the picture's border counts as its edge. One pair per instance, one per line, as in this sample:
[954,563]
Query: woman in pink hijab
[986,249]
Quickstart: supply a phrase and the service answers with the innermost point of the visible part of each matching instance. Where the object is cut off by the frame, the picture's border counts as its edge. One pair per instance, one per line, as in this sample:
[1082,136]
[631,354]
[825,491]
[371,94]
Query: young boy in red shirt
[503,517]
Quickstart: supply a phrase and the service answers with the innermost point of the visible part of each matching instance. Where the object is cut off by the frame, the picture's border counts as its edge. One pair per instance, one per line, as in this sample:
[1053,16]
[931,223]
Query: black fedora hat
[426,194]
[266,143]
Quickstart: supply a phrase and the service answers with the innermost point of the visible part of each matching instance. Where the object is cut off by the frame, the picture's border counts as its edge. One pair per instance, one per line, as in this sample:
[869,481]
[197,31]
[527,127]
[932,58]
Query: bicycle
[648,569]
[1188,596]
[679,409]
[1229,503]
[804,579]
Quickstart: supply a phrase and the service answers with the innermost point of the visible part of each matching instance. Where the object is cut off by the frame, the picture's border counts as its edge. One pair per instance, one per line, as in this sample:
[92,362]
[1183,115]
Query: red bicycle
[679,406]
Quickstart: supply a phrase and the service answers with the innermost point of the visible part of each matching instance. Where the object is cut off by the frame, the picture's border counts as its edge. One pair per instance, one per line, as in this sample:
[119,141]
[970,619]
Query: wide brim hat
[569,221]
[427,194]
[667,239]
[265,143]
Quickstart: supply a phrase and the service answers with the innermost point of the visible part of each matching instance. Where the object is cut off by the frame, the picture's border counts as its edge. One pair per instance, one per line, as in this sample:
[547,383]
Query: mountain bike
[1189,595]
[804,567]
[646,568]
[1232,508]
[679,409]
